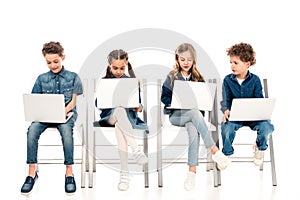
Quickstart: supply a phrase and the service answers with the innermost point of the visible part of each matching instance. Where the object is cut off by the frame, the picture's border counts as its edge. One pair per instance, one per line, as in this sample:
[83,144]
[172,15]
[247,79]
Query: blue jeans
[66,131]
[194,122]
[263,128]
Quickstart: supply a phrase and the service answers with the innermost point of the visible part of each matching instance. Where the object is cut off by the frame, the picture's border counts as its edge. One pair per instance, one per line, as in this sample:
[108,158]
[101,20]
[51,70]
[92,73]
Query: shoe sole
[70,193]
[28,193]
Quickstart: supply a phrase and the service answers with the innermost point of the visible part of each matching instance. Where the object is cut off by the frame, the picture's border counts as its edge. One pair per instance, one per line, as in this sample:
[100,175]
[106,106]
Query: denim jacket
[135,121]
[251,87]
[65,82]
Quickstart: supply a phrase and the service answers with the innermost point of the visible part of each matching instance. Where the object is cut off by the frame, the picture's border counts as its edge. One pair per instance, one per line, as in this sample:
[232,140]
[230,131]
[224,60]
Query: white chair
[242,157]
[179,145]
[103,141]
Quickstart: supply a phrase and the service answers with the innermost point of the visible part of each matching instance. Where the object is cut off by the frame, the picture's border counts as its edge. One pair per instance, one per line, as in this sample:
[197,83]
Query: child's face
[185,61]
[238,67]
[118,68]
[54,62]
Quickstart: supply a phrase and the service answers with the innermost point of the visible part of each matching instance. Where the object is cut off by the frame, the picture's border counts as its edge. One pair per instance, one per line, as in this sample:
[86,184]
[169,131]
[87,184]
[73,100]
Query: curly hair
[53,48]
[244,51]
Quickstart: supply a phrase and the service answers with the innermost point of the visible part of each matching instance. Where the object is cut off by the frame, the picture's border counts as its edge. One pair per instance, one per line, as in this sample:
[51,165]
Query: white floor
[239,181]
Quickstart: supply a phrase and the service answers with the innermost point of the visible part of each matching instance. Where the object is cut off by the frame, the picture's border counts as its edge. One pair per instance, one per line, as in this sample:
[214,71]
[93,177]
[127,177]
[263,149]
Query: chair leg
[92,164]
[146,166]
[219,176]
[94,155]
[159,159]
[216,173]
[83,160]
[274,179]
[209,163]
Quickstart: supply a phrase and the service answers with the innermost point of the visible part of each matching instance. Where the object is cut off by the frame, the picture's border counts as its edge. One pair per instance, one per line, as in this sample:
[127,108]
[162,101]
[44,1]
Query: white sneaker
[258,156]
[124,181]
[189,182]
[221,160]
[139,156]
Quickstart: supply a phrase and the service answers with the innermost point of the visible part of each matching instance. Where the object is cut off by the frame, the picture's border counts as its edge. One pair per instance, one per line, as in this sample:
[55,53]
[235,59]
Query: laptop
[117,92]
[251,109]
[48,108]
[193,95]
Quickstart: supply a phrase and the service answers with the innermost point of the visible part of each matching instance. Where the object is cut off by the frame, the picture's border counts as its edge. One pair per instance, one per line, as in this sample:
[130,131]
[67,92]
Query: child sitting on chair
[124,119]
[243,84]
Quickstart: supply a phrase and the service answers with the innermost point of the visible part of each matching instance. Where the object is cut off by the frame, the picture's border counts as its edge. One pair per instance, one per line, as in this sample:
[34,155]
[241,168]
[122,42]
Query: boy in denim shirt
[56,81]
[243,84]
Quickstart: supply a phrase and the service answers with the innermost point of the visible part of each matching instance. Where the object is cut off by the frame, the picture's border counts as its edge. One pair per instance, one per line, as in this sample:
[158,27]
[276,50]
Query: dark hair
[53,48]
[118,54]
[244,51]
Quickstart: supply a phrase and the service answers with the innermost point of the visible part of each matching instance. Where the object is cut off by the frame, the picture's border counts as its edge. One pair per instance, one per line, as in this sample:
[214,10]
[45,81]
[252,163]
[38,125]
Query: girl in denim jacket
[185,70]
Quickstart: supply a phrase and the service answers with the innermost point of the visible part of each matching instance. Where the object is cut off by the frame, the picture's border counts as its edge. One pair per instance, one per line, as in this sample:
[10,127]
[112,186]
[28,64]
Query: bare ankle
[193,169]
[32,170]
[69,170]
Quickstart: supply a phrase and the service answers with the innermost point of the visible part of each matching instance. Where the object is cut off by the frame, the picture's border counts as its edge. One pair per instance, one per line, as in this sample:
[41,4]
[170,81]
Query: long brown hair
[196,75]
[118,54]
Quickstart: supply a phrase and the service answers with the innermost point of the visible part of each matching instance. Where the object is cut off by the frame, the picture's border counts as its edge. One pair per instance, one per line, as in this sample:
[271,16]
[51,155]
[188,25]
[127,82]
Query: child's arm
[139,109]
[226,101]
[226,116]
[71,104]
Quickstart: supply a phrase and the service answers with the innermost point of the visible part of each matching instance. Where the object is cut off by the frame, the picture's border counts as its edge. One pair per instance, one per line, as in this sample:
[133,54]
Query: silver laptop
[48,108]
[251,109]
[193,95]
[117,92]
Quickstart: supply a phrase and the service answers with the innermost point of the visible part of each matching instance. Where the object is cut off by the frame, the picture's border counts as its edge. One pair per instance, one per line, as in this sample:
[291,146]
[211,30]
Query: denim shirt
[65,82]
[251,87]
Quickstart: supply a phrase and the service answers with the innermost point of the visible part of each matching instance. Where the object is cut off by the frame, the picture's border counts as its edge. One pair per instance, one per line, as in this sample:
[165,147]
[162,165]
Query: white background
[272,27]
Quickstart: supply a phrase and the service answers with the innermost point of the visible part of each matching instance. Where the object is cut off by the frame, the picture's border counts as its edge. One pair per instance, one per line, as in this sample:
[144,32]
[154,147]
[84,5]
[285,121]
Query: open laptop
[117,92]
[251,109]
[48,108]
[193,95]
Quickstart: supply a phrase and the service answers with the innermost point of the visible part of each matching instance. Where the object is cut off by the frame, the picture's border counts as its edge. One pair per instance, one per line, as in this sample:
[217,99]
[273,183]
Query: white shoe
[258,156]
[139,156]
[124,181]
[189,182]
[221,160]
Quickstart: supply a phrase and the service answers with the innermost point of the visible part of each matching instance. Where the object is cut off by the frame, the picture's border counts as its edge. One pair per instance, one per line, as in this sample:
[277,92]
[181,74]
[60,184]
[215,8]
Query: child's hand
[66,112]
[226,116]
[139,109]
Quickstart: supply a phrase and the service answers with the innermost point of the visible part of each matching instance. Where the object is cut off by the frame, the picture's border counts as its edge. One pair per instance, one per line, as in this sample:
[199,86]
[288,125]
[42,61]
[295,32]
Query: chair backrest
[265,86]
